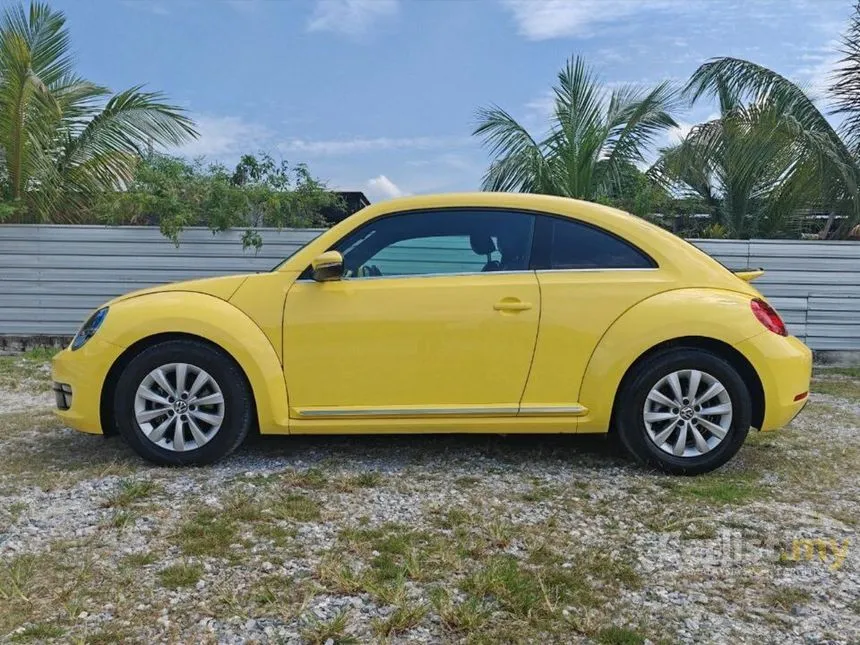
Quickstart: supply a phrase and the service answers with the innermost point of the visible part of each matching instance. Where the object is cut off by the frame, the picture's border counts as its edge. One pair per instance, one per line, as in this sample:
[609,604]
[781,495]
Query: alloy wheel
[687,413]
[179,407]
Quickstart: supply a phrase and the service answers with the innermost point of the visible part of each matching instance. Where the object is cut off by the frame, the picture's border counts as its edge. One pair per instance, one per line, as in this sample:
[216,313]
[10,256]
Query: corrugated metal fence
[51,277]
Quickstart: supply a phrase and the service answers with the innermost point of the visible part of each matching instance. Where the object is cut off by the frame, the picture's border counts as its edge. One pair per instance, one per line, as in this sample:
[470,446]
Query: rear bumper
[78,380]
[784,365]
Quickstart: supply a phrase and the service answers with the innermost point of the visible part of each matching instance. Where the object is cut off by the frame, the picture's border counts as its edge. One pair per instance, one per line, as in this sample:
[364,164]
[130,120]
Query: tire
[147,405]
[640,428]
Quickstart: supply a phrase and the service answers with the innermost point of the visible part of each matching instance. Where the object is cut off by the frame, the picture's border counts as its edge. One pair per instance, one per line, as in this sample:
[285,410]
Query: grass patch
[317,632]
[38,632]
[295,506]
[787,597]
[129,492]
[461,617]
[180,575]
[140,559]
[619,636]
[402,619]
[539,494]
[206,533]
[842,388]
[369,479]
[721,489]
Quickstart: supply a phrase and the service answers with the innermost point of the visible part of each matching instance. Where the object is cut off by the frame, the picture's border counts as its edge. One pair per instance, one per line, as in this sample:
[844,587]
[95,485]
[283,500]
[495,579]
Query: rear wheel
[183,402]
[686,411]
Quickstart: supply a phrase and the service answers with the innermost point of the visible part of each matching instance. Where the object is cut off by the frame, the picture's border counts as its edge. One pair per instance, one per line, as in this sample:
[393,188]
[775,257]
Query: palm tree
[772,151]
[595,136]
[751,165]
[63,139]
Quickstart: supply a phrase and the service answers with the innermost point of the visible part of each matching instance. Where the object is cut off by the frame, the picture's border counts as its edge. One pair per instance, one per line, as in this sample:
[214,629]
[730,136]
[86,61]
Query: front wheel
[183,402]
[686,411]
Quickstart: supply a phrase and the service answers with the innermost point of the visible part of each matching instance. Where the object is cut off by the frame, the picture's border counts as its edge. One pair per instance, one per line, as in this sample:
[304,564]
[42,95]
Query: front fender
[217,321]
[709,313]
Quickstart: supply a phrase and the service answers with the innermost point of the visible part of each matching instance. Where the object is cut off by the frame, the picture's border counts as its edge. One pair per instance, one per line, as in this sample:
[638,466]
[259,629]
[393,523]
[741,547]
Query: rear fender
[707,313]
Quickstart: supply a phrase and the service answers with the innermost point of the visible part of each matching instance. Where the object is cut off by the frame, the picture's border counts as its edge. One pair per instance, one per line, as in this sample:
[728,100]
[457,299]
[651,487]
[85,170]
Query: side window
[439,242]
[567,244]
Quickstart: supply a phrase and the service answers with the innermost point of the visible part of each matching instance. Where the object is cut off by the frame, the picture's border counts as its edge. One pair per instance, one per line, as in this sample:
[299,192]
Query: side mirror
[328,266]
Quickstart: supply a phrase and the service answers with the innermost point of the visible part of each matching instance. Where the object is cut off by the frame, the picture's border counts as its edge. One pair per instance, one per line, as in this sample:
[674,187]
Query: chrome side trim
[407,412]
[554,410]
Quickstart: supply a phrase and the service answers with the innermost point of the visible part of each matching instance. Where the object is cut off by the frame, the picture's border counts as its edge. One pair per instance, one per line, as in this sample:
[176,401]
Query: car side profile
[485,312]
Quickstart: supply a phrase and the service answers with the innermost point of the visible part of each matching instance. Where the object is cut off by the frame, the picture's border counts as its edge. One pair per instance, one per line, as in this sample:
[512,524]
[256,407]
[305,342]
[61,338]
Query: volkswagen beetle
[494,313]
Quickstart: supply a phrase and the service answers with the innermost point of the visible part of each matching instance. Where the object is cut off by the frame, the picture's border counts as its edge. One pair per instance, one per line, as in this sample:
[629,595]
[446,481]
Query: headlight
[89,328]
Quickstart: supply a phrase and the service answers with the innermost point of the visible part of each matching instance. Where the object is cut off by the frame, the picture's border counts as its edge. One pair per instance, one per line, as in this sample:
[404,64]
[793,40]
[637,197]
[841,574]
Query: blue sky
[380,95]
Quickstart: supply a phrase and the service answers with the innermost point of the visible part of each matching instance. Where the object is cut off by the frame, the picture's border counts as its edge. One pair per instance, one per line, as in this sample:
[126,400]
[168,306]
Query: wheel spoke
[681,441]
[662,399]
[693,386]
[723,408]
[196,432]
[718,431]
[179,435]
[701,445]
[663,435]
[148,415]
[200,381]
[211,419]
[181,371]
[158,433]
[715,389]
[209,399]
[163,413]
[149,395]
[675,384]
[160,378]
[652,417]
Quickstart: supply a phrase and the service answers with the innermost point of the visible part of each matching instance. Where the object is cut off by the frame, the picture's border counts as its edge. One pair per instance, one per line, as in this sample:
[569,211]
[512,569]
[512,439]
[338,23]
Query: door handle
[512,304]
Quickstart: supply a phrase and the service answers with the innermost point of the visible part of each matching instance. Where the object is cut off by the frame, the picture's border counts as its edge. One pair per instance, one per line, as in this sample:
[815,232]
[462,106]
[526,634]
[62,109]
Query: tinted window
[574,245]
[430,242]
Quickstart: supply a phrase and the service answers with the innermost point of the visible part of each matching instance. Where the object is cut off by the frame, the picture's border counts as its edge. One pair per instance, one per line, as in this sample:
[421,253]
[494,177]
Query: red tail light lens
[768,317]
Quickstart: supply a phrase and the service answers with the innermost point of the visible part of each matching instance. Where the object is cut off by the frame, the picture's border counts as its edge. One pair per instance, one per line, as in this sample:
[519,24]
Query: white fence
[51,277]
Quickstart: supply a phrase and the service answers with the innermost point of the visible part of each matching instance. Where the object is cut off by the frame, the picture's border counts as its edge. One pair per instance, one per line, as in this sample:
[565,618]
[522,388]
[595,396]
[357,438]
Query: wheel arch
[106,411]
[140,322]
[717,347]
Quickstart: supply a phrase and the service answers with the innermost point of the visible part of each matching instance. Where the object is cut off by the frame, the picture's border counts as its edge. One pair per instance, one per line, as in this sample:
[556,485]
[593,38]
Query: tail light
[768,317]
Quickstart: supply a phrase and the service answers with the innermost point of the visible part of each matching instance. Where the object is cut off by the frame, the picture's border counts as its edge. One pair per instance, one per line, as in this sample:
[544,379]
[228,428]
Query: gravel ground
[427,539]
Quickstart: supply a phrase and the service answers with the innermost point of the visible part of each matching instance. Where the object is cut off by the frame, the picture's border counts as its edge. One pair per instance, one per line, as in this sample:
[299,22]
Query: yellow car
[486,312]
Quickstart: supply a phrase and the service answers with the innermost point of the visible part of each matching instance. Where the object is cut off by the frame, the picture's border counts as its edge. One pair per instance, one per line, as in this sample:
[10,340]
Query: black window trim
[307,273]
[536,262]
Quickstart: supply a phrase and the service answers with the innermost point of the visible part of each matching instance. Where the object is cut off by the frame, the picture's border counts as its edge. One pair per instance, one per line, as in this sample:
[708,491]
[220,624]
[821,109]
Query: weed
[402,619]
[317,632]
[130,491]
[180,575]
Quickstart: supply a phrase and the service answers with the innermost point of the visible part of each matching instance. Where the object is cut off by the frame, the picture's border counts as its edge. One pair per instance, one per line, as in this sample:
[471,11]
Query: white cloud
[350,17]
[678,134]
[225,137]
[358,145]
[545,19]
[381,187]
[817,72]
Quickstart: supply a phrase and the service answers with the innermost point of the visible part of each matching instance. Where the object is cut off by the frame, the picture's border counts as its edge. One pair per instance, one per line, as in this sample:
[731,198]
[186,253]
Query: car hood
[222,287]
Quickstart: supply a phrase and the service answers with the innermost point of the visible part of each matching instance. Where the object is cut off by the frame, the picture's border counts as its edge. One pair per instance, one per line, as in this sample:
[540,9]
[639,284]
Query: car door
[436,315]
[588,277]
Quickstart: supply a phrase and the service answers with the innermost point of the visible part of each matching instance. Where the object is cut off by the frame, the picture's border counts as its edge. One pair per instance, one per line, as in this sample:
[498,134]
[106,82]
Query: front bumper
[79,377]
[784,365]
